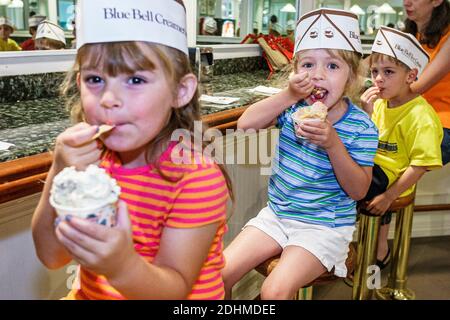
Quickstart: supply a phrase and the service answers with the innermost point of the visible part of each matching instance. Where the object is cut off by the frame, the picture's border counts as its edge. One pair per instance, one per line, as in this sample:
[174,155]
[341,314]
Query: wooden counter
[26,176]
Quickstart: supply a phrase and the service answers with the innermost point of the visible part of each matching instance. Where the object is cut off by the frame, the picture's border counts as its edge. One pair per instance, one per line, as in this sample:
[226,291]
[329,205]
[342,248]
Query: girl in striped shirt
[168,239]
[310,215]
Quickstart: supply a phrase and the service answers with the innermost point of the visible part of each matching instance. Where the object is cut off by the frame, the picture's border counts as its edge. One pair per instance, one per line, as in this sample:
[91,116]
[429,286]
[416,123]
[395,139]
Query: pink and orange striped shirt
[196,195]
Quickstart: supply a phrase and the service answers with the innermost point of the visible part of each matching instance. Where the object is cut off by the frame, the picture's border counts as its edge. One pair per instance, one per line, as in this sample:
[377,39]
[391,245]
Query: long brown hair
[127,57]
[435,28]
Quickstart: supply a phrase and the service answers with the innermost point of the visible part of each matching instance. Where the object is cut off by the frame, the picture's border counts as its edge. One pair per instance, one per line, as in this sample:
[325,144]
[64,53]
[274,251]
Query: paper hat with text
[328,29]
[401,46]
[49,30]
[157,21]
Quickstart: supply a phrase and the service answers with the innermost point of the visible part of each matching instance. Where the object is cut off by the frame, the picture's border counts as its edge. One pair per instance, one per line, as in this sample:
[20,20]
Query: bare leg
[383,242]
[296,268]
[251,247]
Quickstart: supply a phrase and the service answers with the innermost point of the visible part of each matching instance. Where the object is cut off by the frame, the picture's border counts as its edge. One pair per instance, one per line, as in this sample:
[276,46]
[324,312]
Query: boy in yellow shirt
[410,132]
[6,28]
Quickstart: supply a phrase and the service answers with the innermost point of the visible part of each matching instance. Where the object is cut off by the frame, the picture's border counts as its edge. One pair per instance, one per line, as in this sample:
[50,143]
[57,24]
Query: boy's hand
[379,204]
[74,147]
[321,133]
[103,250]
[300,85]
[368,98]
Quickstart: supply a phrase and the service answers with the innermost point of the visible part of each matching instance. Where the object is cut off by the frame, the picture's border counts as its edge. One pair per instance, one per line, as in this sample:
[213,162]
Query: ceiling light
[289,8]
[386,8]
[16,4]
[357,10]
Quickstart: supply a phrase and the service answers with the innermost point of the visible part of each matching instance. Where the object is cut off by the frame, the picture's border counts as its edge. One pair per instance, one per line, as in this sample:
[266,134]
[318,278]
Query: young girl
[167,242]
[311,211]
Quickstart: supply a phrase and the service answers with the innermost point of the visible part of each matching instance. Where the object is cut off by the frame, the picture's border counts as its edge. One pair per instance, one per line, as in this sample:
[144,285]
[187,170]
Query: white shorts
[329,245]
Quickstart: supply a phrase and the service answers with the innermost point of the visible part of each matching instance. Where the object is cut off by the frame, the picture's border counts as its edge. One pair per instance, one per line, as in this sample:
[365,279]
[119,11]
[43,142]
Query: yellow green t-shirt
[409,135]
[9,45]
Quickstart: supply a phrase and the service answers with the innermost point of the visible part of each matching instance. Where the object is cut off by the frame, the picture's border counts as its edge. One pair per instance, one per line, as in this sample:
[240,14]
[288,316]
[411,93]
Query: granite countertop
[32,125]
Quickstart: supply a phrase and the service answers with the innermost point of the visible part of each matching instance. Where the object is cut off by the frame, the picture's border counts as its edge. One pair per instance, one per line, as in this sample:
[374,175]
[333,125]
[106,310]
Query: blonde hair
[125,58]
[354,83]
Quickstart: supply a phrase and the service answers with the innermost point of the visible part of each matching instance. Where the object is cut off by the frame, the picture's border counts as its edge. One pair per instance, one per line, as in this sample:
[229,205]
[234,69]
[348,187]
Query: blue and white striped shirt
[303,185]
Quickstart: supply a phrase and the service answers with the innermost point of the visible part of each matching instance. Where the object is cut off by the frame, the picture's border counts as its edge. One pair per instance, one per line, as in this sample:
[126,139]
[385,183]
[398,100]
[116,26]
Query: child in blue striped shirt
[311,211]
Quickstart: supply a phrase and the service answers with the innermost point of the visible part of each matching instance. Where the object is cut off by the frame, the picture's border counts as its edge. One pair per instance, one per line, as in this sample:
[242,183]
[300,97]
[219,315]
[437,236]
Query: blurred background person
[33,23]
[6,29]
[429,22]
[290,30]
[209,27]
[275,28]
[73,43]
[50,36]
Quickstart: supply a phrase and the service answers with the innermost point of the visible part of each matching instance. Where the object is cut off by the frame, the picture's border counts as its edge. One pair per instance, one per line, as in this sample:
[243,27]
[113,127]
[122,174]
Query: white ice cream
[84,189]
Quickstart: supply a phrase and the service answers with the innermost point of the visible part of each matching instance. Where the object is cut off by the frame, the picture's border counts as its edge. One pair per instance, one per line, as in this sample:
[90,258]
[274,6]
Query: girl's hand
[379,204]
[103,250]
[74,148]
[368,98]
[300,85]
[321,133]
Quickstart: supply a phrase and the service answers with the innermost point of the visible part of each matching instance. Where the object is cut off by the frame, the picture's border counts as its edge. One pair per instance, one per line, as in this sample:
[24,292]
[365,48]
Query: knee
[229,278]
[275,291]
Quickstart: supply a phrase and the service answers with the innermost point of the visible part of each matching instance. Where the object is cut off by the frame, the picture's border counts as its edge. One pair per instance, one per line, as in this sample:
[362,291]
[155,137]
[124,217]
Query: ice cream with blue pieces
[90,194]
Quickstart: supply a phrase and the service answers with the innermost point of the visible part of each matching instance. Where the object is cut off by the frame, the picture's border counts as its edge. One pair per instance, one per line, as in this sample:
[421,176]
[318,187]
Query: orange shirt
[439,95]
[195,195]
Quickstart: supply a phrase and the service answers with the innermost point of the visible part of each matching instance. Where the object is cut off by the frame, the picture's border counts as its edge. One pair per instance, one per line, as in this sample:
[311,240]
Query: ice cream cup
[104,214]
[297,122]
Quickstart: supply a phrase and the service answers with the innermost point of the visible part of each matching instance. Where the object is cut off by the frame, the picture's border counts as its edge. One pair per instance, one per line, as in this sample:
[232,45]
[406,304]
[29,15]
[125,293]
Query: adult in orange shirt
[429,22]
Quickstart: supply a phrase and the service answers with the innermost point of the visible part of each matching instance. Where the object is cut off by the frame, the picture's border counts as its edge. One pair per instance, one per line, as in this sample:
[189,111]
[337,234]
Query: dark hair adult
[429,22]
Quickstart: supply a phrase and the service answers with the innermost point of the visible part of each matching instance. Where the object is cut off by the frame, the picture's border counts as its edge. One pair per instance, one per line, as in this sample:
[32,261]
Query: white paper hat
[210,25]
[158,21]
[47,29]
[328,29]
[290,25]
[401,46]
[35,20]
[6,21]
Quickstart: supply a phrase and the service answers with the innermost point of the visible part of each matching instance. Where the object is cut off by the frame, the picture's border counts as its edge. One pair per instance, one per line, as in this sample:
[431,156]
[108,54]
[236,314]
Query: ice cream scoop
[316,112]
[89,194]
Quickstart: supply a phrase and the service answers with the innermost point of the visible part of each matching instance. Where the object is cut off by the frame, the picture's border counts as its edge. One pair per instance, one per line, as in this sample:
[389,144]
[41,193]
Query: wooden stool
[367,250]
[305,293]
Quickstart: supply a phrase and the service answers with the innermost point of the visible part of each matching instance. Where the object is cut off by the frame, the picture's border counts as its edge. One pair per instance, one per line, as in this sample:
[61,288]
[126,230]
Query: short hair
[352,59]
[376,56]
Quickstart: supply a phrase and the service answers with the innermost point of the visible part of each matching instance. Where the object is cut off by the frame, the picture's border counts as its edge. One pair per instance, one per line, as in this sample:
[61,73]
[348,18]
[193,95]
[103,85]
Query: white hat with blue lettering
[328,29]
[401,46]
[157,21]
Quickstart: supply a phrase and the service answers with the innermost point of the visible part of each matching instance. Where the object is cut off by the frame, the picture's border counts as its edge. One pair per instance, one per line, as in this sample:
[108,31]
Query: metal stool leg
[396,288]
[366,255]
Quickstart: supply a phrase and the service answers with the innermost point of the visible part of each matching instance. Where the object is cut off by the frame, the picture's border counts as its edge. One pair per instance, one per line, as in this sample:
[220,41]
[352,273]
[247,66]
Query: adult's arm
[435,71]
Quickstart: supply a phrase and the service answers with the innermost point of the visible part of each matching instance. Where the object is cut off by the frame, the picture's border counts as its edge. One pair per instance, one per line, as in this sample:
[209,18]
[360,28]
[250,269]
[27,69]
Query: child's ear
[412,76]
[78,80]
[436,3]
[186,90]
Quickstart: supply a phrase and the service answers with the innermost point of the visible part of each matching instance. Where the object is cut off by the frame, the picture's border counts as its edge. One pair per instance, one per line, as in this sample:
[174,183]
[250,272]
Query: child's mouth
[318,94]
